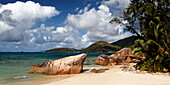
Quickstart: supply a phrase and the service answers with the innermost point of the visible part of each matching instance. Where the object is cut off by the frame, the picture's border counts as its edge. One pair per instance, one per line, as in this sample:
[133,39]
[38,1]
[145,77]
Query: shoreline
[115,76]
[42,80]
[51,78]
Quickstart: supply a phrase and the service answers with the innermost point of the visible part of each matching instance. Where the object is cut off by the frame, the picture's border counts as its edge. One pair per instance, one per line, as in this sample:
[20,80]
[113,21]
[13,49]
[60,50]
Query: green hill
[101,46]
[62,50]
[126,42]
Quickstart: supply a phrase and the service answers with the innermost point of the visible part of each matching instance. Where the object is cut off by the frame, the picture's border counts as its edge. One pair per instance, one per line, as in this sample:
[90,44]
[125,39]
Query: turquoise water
[18,64]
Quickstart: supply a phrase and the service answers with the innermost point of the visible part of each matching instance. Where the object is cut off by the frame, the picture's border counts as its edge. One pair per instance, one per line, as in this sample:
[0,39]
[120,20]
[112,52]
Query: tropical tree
[149,20]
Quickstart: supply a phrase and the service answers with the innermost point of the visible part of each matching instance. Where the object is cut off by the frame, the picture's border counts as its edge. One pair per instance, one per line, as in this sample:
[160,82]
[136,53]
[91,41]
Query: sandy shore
[114,76]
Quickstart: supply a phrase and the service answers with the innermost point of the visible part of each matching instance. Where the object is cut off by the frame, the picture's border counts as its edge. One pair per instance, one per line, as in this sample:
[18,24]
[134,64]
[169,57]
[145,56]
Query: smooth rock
[123,56]
[123,53]
[102,60]
[67,65]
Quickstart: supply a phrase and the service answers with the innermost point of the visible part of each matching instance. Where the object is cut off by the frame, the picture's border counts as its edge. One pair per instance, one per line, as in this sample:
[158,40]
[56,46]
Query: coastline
[21,63]
[42,80]
[114,76]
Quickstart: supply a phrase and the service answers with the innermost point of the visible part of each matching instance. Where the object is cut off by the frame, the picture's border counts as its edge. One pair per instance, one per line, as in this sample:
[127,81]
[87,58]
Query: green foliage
[149,19]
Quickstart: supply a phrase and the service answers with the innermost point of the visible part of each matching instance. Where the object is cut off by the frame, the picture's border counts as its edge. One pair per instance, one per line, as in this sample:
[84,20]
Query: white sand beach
[114,76]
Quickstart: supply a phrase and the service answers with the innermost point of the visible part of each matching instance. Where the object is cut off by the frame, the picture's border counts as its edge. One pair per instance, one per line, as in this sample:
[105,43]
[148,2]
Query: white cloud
[96,24]
[5,27]
[118,3]
[16,18]
[29,10]
[65,36]
[76,9]
[117,6]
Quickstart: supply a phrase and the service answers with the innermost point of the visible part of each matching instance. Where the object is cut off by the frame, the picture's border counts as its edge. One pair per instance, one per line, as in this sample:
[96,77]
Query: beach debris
[98,70]
[141,72]
[67,65]
[19,77]
[128,68]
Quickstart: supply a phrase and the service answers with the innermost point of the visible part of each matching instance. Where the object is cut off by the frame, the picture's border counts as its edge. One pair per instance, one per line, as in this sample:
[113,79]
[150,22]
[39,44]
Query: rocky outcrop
[124,56]
[102,60]
[120,55]
[67,65]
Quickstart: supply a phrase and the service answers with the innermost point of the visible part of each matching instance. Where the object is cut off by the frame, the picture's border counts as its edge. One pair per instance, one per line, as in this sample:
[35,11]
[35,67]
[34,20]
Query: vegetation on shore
[149,20]
[101,46]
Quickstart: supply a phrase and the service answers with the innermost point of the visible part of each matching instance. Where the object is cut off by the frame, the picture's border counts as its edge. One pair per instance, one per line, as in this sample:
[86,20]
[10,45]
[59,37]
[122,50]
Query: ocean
[16,65]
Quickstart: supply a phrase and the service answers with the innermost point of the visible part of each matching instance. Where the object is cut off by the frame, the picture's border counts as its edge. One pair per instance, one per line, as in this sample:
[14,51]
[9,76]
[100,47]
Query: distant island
[100,46]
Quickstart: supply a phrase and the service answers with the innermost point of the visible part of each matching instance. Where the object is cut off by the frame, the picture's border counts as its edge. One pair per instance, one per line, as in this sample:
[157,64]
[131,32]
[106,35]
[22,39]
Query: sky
[38,25]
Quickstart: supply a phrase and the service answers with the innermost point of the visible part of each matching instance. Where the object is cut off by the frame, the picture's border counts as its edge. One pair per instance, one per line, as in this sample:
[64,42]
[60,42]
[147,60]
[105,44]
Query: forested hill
[126,42]
[100,46]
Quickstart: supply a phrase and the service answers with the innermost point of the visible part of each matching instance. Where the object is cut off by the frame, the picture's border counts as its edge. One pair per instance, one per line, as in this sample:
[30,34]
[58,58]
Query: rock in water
[102,60]
[35,65]
[67,65]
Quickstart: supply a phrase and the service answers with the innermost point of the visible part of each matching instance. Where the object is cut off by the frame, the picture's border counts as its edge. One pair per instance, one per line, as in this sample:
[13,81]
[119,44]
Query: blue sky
[38,25]
[64,6]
